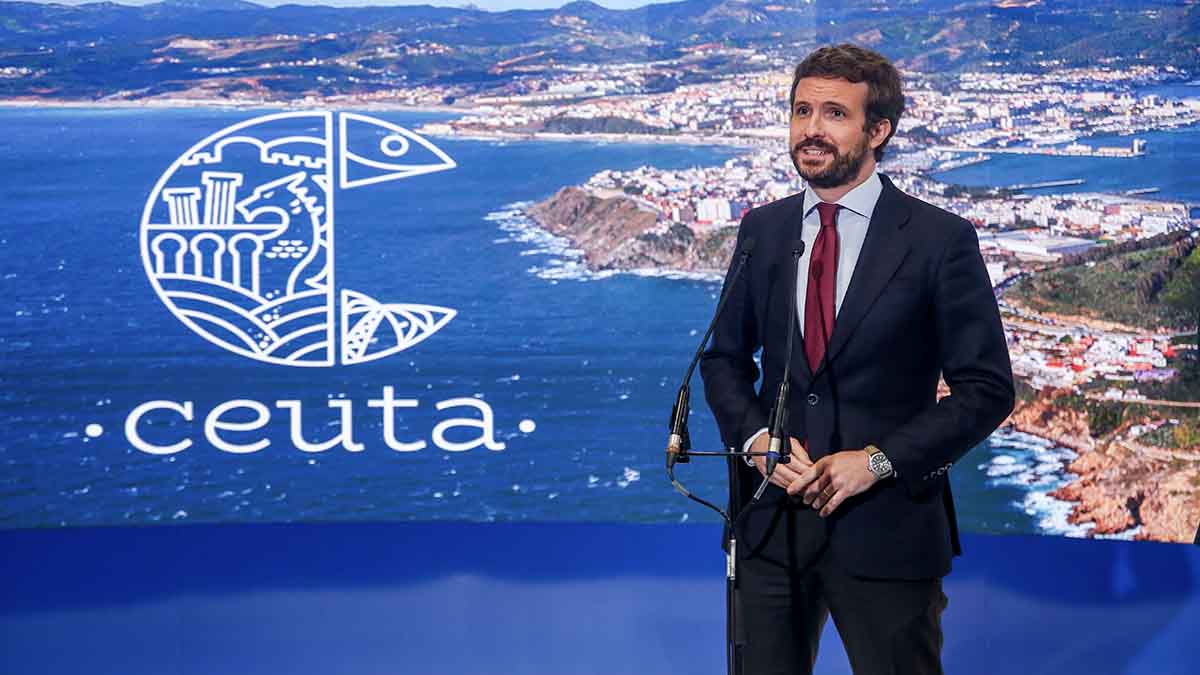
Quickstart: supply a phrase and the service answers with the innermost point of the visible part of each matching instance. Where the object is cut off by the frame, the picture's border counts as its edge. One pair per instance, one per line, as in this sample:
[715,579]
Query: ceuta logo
[237,238]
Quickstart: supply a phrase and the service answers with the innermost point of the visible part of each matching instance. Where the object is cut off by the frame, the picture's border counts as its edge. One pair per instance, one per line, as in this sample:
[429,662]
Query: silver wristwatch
[878,462]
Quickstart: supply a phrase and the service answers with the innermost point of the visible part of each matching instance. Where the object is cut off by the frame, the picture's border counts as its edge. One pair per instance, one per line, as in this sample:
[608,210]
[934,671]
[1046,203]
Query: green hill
[1149,288]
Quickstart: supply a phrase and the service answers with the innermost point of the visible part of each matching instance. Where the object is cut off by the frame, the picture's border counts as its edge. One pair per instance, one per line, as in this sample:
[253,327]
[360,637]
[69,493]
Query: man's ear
[880,132]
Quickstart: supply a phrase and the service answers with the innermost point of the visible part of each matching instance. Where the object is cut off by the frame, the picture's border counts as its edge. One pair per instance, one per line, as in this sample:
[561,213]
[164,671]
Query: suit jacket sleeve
[975,364]
[728,366]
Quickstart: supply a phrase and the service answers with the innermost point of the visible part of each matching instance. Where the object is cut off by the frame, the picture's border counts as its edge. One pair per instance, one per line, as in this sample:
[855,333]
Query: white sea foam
[995,468]
[1043,468]
[1036,467]
[678,274]
[628,476]
[1050,515]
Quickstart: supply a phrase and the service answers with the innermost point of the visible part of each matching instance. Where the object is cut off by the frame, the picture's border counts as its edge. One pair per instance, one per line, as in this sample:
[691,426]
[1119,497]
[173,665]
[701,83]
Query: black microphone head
[748,245]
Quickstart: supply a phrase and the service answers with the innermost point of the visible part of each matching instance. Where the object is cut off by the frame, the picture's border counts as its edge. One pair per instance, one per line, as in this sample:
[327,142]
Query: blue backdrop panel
[547,598]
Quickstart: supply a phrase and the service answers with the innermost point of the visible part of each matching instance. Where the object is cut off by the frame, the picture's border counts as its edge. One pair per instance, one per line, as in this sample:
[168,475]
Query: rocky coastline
[617,232]
[1119,485]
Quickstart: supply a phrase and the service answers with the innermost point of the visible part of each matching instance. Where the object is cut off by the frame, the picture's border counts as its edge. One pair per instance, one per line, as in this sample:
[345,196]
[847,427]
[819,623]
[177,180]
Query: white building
[713,210]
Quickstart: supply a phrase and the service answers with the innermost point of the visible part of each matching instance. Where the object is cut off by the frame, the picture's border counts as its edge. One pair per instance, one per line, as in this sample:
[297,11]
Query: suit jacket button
[813,399]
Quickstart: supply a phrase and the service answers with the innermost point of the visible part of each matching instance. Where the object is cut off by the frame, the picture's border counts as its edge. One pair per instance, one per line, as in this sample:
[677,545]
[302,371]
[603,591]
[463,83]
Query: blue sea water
[1173,90]
[589,362]
[85,340]
[1168,165]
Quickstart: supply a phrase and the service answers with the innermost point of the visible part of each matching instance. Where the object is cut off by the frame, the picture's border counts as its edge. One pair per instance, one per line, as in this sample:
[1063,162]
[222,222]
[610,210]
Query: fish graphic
[237,238]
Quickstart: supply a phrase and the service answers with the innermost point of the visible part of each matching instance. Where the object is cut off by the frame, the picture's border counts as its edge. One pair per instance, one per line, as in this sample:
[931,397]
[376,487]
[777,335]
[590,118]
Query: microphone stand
[779,451]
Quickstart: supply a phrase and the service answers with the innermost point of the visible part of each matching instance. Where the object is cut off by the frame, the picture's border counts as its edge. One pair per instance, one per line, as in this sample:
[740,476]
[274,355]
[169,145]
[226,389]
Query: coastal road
[1147,401]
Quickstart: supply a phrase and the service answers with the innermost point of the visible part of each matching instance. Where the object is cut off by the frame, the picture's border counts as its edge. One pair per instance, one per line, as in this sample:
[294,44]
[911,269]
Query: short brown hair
[885,98]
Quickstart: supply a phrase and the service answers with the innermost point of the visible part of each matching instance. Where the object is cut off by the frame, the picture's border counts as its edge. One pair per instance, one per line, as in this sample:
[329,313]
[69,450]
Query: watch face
[880,464]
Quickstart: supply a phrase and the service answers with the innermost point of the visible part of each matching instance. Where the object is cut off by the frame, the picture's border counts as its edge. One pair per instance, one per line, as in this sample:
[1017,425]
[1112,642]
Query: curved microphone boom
[679,445]
[678,442]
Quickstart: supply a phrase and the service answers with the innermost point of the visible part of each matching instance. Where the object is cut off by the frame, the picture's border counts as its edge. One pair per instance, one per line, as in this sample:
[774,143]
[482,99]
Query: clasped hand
[823,484]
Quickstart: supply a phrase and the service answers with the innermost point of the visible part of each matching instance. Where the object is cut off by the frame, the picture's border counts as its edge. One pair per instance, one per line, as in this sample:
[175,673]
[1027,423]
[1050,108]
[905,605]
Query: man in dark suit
[891,292]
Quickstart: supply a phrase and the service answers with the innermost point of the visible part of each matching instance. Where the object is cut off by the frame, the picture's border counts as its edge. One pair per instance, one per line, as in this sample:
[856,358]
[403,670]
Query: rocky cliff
[1121,484]
[618,232]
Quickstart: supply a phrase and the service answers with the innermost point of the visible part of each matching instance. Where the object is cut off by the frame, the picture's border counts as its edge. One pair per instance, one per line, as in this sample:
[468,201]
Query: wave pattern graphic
[292,329]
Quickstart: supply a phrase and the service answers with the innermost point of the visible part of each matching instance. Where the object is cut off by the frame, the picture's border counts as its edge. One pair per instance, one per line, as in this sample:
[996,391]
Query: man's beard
[841,170]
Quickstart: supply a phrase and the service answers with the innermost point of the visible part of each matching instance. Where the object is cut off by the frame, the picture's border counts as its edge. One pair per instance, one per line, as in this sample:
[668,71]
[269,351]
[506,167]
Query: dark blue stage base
[467,599]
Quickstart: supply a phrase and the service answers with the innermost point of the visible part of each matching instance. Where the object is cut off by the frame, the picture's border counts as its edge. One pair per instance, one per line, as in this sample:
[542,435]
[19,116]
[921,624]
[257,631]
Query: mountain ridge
[102,49]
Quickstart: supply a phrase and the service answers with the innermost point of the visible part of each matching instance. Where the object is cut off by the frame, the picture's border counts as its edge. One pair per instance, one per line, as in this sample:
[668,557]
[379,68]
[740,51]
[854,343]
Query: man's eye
[801,110]
[838,114]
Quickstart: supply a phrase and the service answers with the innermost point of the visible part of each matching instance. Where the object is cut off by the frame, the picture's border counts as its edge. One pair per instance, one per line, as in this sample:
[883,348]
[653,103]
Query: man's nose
[812,126]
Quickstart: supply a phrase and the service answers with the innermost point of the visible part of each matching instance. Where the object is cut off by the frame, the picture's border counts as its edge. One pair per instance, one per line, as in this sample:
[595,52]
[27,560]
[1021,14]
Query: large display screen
[426,263]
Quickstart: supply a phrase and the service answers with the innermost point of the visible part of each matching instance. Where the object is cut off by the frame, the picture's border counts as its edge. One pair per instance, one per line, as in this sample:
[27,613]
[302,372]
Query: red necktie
[822,279]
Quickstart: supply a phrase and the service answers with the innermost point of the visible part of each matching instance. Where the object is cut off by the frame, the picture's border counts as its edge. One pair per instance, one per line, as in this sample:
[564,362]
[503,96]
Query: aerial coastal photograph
[593,166]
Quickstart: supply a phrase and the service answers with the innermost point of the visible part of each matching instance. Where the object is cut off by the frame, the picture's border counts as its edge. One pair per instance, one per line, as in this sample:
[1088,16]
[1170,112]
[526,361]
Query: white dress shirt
[852,220]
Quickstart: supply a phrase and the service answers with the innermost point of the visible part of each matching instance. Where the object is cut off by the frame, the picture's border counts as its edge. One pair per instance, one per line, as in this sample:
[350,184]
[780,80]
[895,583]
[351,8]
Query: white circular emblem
[237,238]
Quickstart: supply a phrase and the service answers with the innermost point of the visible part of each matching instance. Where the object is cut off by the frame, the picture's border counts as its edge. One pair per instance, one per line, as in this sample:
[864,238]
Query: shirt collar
[861,199]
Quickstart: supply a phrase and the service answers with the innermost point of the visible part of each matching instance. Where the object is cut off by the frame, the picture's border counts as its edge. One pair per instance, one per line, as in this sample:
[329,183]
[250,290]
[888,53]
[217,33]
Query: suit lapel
[882,252]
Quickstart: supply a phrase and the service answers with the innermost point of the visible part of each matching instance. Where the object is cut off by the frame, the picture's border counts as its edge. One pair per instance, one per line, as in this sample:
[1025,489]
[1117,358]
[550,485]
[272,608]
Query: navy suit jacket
[919,303]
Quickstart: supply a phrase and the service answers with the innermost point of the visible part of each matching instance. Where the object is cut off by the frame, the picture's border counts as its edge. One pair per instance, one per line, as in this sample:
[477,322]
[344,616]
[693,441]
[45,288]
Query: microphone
[678,442]
[779,450]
